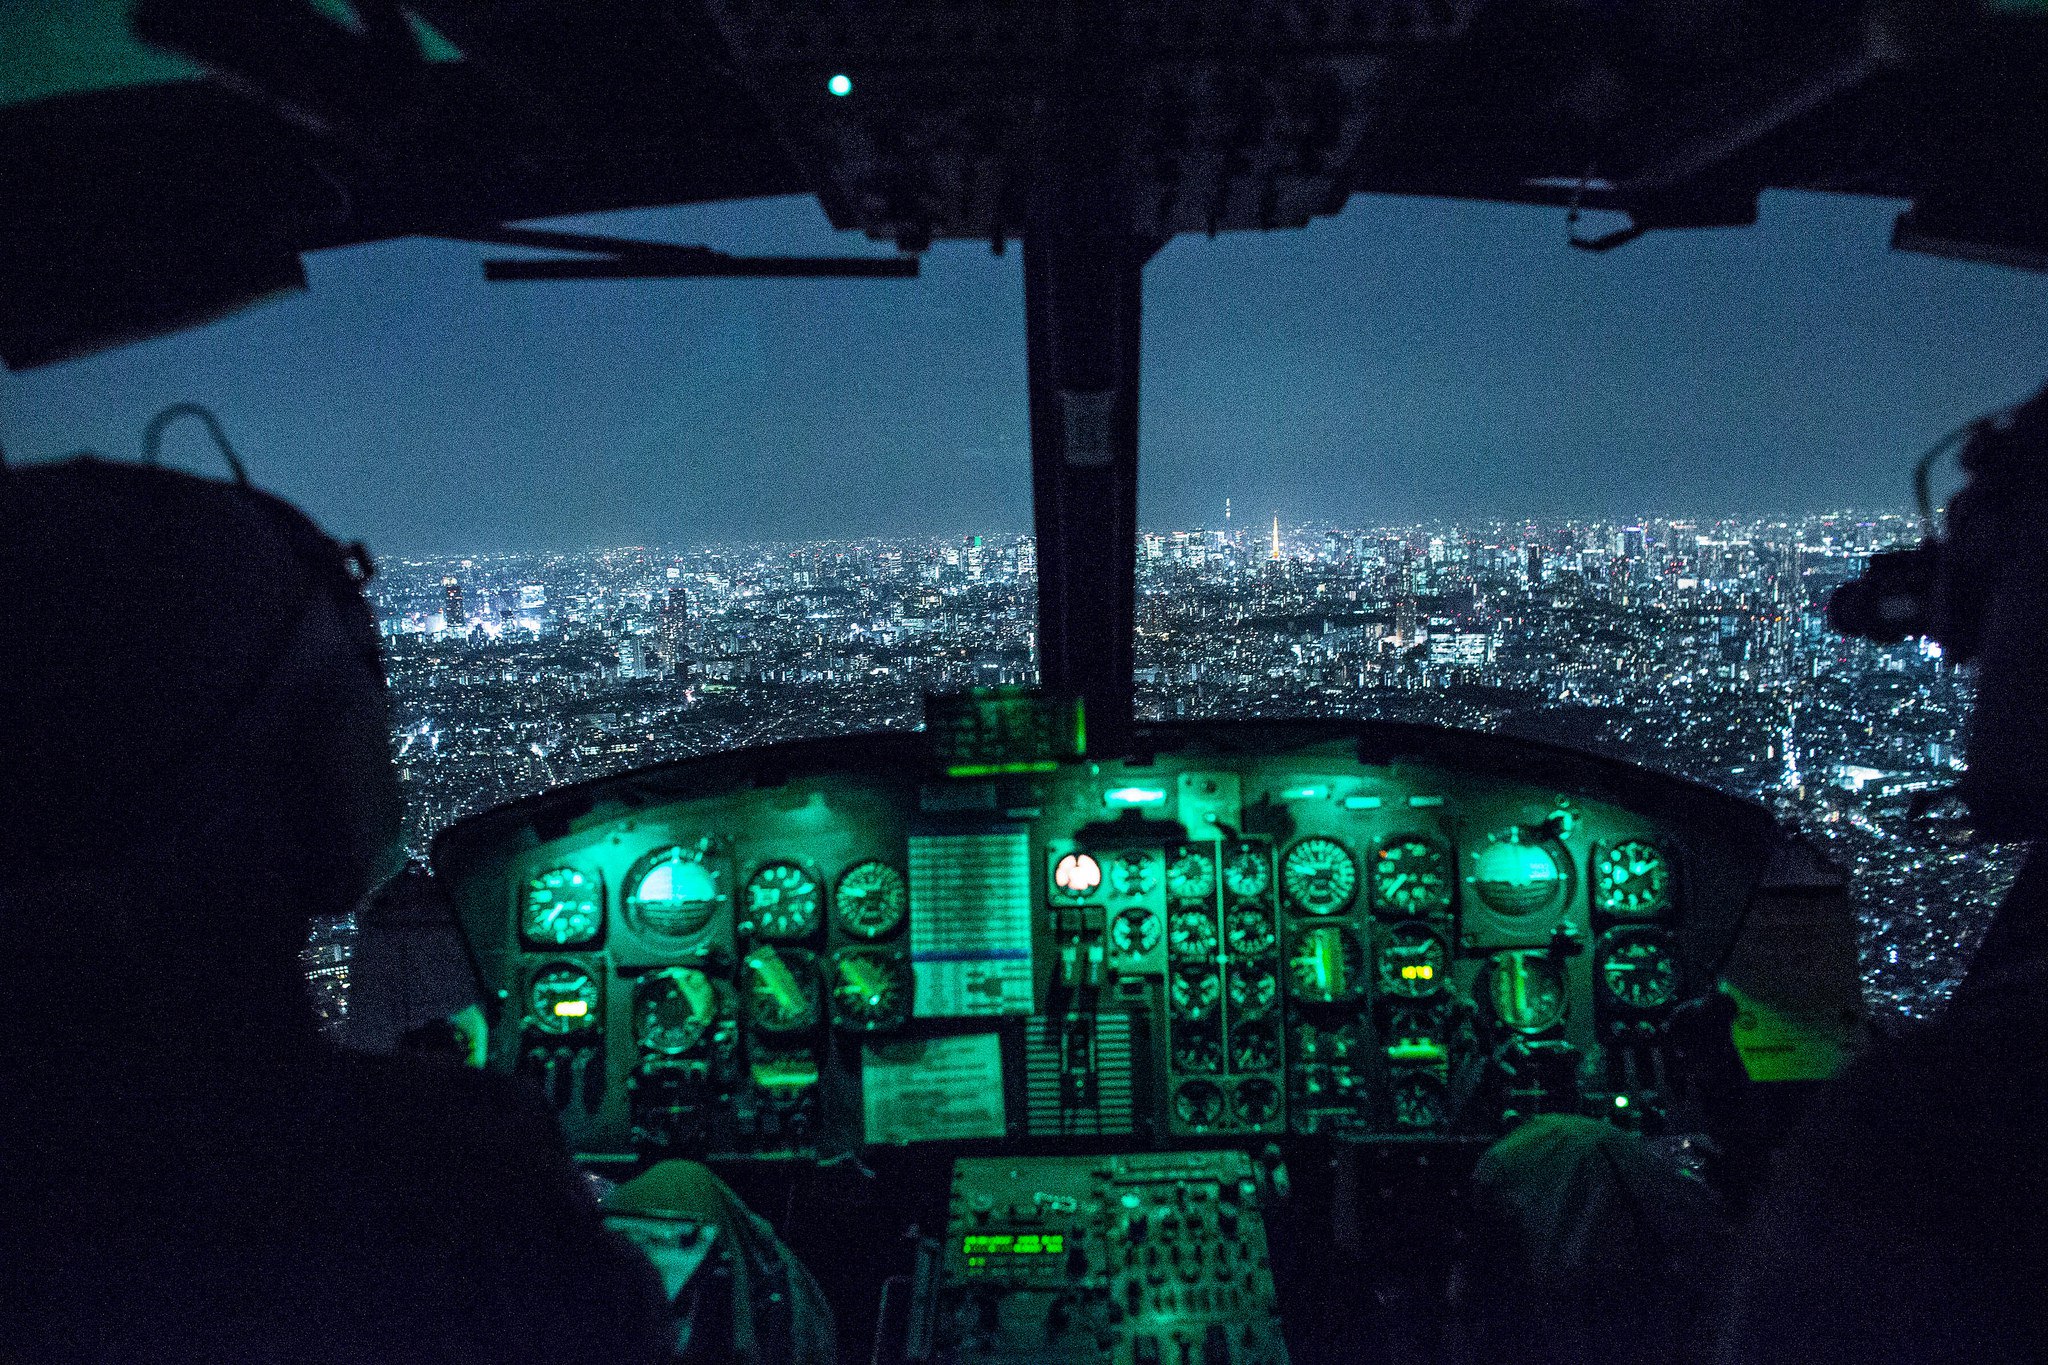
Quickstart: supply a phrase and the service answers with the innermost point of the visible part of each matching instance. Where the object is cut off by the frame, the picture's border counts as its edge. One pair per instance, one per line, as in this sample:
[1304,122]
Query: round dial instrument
[1411,875]
[1252,991]
[1248,872]
[1319,876]
[1249,931]
[1192,993]
[1191,934]
[1526,989]
[784,902]
[1077,876]
[1327,965]
[1419,1100]
[562,908]
[1254,1048]
[1518,873]
[1415,961]
[1134,874]
[1197,1050]
[871,900]
[1256,1102]
[1192,876]
[673,892]
[563,998]
[780,989]
[674,1010]
[1631,878]
[1135,932]
[871,990]
[1198,1104]
[1638,967]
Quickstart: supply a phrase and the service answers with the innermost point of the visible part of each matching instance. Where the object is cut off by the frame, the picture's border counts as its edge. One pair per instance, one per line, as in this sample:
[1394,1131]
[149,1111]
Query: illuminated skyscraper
[675,634]
[454,615]
[1276,535]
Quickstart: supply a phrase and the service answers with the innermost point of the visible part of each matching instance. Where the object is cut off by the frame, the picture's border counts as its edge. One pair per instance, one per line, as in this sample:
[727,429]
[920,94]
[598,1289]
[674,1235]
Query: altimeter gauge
[784,902]
[1319,876]
[564,998]
[1415,961]
[1411,875]
[1637,967]
[1631,878]
[871,900]
[563,908]
[870,990]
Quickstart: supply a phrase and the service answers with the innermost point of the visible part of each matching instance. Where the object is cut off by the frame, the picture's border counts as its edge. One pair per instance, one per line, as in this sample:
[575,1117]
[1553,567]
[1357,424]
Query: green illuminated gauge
[1191,934]
[1192,993]
[871,899]
[564,908]
[1411,875]
[1517,874]
[1256,1048]
[1526,989]
[1197,1050]
[1077,876]
[1198,1104]
[1631,878]
[1134,933]
[1133,874]
[674,892]
[564,999]
[1249,931]
[1248,872]
[674,1010]
[1256,1102]
[1415,961]
[1327,965]
[1319,876]
[780,989]
[1420,1100]
[1192,877]
[1638,967]
[1252,991]
[784,902]
[871,990]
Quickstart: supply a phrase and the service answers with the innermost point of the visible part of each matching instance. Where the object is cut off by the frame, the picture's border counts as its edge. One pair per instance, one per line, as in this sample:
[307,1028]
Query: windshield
[1420,461]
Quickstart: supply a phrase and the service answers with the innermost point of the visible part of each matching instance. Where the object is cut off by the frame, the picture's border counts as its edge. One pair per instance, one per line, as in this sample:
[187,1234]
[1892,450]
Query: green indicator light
[1046,765]
[840,85]
[1420,801]
[1310,793]
[1134,796]
[1621,1101]
[1363,803]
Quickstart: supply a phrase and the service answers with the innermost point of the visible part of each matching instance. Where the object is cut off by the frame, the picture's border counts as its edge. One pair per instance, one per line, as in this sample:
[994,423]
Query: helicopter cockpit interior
[1047,1032]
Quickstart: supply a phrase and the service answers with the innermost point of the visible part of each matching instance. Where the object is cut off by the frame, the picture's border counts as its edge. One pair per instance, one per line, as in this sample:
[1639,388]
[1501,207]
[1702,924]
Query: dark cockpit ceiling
[138,206]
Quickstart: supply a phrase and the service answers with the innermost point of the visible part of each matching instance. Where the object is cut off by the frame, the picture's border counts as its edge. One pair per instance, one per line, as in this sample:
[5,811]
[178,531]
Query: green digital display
[988,1250]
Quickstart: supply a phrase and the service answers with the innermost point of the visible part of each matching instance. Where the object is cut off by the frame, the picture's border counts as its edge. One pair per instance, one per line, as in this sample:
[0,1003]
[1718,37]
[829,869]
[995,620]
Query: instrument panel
[1238,932]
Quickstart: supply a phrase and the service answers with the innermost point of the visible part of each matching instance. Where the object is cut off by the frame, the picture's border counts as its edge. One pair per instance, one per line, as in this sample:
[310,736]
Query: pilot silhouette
[194,764]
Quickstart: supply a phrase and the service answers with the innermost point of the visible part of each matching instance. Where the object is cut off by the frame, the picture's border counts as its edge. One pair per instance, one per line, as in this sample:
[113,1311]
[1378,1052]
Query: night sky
[1408,359]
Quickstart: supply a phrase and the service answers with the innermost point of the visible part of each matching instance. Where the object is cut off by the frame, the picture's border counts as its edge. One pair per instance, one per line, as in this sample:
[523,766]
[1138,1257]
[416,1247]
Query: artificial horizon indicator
[675,892]
[1518,874]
